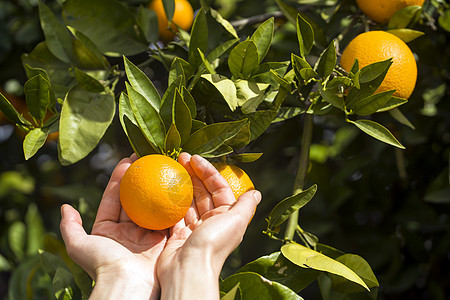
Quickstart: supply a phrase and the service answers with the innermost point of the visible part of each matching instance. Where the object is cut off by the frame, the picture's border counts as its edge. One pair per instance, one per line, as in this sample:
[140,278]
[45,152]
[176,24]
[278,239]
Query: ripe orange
[374,46]
[183,17]
[382,10]
[156,192]
[237,179]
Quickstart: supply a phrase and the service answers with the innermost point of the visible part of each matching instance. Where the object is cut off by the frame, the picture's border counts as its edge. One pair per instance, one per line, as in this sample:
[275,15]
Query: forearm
[192,280]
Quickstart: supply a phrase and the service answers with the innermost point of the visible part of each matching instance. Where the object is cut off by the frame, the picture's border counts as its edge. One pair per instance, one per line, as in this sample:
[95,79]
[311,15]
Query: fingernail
[257,196]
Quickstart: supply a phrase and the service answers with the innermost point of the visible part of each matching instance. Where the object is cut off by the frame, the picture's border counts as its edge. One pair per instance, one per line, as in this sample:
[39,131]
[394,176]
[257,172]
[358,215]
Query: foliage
[230,90]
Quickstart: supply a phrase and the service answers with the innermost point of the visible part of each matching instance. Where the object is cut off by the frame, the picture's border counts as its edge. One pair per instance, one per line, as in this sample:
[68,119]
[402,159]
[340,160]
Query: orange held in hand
[237,179]
[381,11]
[183,17]
[156,192]
[375,46]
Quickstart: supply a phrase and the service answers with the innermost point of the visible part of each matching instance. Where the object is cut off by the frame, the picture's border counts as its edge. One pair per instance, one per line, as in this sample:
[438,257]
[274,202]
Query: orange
[382,10]
[156,192]
[375,46]
[183,17]
[237,179]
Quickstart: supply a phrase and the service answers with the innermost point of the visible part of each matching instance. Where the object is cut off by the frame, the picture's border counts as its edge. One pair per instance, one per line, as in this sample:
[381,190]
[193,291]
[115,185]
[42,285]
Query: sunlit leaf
[281,212]
[305,36]
[377,131]
[262,37]
[37,94]
[173,139]
[308,258]
[211,137]
[182,117]
[405,34]
[405,16]
[142,84]
[33,141]
[225,86]
[199,38]
[327,61]
[84,119]
[277,268]
[147,118]
[243,59]
[371,104]
[253,285]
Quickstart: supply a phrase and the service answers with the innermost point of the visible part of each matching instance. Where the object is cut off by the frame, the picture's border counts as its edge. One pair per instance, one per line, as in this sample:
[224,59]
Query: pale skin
[183,262]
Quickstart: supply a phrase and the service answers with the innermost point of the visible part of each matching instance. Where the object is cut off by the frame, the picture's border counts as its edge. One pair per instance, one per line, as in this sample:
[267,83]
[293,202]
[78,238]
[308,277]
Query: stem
[256,19]
[301,172]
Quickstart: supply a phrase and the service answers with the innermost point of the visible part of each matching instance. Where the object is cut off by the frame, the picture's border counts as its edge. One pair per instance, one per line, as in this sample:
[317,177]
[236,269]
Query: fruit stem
[302,170]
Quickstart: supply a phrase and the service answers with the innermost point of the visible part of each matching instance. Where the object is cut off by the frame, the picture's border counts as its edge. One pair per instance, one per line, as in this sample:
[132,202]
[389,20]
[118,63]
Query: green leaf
[57,36]
[281,212]
[11,113]
[211,137]
[190,102]
[221,151]
[33,141]
[262,37]
[377,131]
[255,286]
[199,38]
[308,258]
[241,139]
[373,71]
[223,22]
[166,110]
[137,139]
[209,68]
[17,239]
[405,34]
[148,22]
[182,117]
[286,113]
[246,157]
[444,20]
[250,94]
[243,59]
[358,265]
[169,8]
[290,12]
[371,104]
[405,16]
[305,36]
[232,294]
[277,268]
[173,139]
[84,119]
[87,82]
[86,53]
[302,68]
[220,50]
[182,68]
[35,229]
[37,94]
[259,121]
[147,117]
[400,117]
[332,96]
[225,86]
[62,284]
[109,23]
[327,61]
[142,84]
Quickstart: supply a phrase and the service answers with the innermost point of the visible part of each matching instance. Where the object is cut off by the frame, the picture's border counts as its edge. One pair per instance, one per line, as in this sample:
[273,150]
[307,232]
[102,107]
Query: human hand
[190,264]
[118,254]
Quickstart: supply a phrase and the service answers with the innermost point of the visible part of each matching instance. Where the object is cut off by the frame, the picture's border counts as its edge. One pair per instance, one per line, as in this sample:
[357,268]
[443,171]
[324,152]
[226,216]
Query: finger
[216,185]
[203,199]
[191,215]
[110,207]
[134,157]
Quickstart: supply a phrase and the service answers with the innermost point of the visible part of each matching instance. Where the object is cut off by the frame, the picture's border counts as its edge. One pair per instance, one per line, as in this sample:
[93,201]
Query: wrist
[124,284]
[192,278]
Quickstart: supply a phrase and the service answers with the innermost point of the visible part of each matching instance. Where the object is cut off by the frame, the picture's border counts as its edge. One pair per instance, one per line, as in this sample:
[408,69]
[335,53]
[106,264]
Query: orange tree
[225,90]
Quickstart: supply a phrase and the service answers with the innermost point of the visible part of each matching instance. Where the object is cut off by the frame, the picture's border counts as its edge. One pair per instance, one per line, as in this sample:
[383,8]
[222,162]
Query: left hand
[119,255]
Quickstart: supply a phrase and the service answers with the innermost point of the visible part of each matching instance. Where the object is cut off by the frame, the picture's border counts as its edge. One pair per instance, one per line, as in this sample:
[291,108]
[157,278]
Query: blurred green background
[389,206]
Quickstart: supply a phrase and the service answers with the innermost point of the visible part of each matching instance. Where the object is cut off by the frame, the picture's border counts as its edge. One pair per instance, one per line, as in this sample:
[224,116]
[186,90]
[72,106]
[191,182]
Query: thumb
[246,204]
